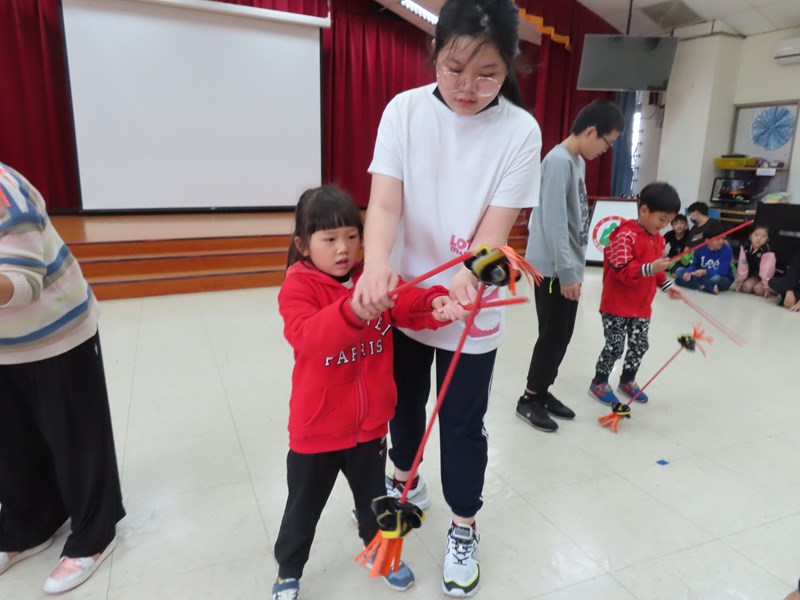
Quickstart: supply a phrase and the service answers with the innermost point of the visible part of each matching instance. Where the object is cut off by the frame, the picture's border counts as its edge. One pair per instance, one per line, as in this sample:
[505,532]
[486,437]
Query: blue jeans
[704,284]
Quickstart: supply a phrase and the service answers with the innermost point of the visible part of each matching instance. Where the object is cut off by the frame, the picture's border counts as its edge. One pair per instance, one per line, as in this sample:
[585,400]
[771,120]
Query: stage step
[113,288]
[205,245]
[137,268]
[154,267]
[123,266]
[518,238]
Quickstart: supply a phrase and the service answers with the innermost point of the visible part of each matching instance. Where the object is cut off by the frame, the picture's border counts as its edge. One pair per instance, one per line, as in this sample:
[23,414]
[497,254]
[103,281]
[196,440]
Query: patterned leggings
[615,329]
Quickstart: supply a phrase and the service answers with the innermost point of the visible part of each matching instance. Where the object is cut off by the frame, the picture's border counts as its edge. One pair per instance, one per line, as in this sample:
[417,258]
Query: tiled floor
[199,387]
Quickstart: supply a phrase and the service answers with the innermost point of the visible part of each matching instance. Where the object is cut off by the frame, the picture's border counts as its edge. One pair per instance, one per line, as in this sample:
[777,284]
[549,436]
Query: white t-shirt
[452,168]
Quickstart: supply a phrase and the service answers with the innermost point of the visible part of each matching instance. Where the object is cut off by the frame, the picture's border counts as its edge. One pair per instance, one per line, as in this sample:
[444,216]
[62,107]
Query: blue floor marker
[662,462]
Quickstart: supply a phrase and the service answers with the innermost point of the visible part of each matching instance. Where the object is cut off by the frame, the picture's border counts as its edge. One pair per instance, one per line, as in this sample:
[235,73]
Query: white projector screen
[186,109]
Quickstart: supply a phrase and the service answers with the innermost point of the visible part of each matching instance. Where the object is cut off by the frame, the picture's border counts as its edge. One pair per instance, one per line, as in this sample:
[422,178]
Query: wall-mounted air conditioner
[787,52]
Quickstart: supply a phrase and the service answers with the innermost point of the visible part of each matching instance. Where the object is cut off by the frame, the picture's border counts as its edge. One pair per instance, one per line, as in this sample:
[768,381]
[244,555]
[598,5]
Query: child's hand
[699,273]
[674,294]
[446,309]
[572,291]
[361,311]
[660,264]
[686,276]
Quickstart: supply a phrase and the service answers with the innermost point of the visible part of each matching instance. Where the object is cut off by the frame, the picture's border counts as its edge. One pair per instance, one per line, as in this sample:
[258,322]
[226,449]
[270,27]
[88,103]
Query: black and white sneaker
[462,571]
[417,494]
[557,408]
[531,409]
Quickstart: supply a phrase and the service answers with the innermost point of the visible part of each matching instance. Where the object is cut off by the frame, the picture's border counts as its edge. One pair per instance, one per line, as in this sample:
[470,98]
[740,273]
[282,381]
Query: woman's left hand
[464,287]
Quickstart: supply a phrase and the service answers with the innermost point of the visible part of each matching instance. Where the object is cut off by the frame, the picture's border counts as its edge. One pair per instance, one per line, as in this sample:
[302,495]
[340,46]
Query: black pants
[57,457]
[556,316]
[615,329]
[790,282]
[311,478]
[462,436]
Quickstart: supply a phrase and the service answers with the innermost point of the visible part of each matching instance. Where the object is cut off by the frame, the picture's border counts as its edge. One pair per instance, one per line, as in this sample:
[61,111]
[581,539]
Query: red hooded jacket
[343,390]
[629,285]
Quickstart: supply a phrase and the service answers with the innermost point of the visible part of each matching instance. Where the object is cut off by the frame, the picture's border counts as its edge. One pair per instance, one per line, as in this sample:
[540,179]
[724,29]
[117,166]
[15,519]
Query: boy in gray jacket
[558,235]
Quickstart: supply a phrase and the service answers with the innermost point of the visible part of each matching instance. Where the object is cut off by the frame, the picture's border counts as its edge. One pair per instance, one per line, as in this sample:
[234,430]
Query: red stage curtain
[528,73]
[556,99]
[36,128]
[36,124]
[369,56]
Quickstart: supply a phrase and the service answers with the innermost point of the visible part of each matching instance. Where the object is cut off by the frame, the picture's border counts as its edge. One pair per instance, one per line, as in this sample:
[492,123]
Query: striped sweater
[52,309]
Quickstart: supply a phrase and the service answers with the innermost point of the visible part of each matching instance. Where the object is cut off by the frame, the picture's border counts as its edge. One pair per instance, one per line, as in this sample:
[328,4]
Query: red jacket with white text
[343,390]
[629,285]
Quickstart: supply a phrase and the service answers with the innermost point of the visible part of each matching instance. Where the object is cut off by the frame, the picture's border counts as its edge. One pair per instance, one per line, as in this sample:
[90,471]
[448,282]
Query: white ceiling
[748,17]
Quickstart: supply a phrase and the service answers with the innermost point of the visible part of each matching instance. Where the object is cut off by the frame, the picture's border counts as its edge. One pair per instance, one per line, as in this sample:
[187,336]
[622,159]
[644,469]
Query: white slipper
[74,571]
[7,562]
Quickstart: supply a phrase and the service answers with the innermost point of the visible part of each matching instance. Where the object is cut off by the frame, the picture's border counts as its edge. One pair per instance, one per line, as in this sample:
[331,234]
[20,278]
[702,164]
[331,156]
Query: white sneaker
[6,561]
[71,572]
[462,571]
[418,495]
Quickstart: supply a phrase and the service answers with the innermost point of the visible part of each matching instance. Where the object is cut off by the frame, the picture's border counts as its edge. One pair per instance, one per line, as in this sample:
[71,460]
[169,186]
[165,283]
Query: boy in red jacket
[343,390]
[633,266]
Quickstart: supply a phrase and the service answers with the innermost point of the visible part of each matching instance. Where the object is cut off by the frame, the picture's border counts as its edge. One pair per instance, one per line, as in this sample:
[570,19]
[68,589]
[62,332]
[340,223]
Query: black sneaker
[531,410]
[557,408]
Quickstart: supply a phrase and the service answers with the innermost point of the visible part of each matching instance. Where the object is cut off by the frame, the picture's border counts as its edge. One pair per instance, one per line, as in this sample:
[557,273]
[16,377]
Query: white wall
[710,76]
[721,113]
[650,145]
[699,113]
[761,79]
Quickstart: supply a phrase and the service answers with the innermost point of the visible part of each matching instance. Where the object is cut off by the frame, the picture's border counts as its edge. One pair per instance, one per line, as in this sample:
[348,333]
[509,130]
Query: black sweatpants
[556,316]
[616,329]
[57,457]
[790,282]
[311,478]
[462,436]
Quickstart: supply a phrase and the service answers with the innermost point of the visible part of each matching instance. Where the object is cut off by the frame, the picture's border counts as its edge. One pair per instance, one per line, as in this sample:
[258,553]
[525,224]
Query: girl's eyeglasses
[484,86]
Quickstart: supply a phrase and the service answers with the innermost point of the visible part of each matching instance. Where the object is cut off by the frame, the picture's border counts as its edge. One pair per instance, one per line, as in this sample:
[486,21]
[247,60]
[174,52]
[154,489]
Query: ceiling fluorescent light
[420,11]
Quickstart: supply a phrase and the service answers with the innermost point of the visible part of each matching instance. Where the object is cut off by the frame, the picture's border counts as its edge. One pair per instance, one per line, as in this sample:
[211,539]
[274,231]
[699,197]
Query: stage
[125,256]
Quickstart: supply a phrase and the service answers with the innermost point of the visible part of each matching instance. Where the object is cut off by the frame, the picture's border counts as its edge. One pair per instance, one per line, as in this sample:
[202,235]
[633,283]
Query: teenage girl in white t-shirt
[454,163]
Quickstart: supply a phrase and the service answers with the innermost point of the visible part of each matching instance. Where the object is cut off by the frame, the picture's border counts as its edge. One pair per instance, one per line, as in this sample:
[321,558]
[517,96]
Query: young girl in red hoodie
[633,266]
[343,391]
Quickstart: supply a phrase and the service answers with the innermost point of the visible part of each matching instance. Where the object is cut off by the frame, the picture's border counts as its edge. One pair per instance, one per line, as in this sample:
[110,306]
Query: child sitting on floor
[710,270]
[756,264]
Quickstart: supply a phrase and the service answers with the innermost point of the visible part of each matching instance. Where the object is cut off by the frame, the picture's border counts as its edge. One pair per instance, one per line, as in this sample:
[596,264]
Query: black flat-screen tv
[621,62]
[732,189]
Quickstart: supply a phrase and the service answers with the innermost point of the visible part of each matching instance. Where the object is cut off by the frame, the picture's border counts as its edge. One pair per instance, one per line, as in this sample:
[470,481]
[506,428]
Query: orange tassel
[517,264]
[385,553]
[611,421]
